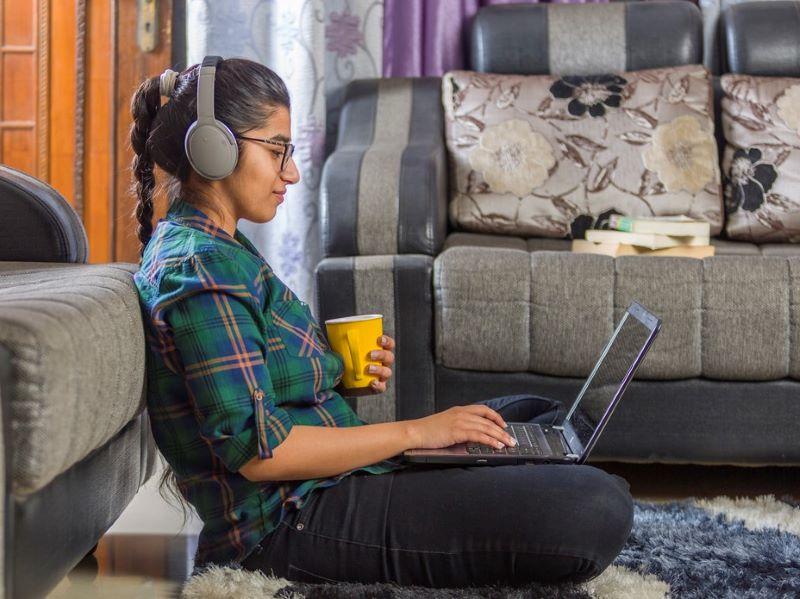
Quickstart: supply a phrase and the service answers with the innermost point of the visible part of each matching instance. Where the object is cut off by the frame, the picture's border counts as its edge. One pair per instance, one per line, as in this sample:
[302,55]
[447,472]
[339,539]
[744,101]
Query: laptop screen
[619,355]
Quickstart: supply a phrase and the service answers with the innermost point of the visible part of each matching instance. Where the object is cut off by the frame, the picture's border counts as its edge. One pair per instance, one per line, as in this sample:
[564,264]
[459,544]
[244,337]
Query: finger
[378,385]
[487,440]
[384,356]
[487,412]
[491,429]
[494,416]
[386,341]
[380,371]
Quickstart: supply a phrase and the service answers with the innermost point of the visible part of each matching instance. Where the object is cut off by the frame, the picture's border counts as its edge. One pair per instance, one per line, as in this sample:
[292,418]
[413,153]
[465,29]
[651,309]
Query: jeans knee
[614,517]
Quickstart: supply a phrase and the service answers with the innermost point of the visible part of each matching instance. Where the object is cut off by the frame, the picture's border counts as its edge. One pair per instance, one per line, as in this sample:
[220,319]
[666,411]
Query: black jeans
[453,526]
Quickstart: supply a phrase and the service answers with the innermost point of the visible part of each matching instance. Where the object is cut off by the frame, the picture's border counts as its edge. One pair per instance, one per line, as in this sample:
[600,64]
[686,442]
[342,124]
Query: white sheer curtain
[316,46]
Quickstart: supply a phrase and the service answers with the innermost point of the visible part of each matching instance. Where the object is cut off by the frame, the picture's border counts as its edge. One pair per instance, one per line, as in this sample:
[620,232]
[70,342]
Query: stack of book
[654,236]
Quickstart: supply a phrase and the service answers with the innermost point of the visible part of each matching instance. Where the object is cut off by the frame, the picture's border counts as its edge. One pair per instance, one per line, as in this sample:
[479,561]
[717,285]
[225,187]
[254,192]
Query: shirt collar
[186,214]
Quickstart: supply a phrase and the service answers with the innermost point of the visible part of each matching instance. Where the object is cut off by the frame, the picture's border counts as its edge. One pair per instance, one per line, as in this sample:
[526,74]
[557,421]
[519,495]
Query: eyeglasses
[288,149]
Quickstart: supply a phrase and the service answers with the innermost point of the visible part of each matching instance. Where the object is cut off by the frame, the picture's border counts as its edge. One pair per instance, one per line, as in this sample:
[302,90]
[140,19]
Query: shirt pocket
[297,329]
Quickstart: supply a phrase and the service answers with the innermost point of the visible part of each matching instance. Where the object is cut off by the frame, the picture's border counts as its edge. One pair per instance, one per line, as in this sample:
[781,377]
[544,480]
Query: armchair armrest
[383,189]
[36,223]
[400,288]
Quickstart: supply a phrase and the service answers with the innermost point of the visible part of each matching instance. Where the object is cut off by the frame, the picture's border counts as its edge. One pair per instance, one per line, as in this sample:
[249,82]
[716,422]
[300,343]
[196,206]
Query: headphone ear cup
[211,149]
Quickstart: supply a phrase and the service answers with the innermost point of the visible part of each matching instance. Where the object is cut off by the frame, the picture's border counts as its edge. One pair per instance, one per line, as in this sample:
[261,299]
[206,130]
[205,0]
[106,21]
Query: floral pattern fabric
[761,162]
[548,156]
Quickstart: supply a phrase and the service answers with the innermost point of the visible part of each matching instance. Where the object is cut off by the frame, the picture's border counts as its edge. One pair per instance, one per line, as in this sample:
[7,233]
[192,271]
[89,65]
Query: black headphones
[210,145]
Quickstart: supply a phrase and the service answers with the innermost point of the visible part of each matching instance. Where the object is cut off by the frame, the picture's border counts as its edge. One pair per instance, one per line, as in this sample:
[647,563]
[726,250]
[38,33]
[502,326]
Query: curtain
[429,37]
[317,47]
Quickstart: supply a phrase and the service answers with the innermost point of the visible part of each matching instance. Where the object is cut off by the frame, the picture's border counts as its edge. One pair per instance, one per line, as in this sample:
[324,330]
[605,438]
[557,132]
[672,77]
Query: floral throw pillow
[551,156]
[761,162]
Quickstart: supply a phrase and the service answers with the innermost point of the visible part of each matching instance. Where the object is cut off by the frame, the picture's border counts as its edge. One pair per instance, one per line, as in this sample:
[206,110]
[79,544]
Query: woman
[244,401]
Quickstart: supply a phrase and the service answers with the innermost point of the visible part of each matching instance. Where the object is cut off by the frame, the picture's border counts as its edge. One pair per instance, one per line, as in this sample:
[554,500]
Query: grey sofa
[478,315]
[76,438]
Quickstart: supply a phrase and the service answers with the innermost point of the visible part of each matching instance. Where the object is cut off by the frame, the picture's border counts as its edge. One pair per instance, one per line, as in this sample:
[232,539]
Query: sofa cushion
[551,156]
[761,162]
[502,304]
[76,339]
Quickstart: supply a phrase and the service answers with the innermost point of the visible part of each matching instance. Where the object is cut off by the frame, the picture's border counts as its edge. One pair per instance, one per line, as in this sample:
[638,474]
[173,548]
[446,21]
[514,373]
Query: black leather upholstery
[762,38]
[663,34]
[514,38]
[36,223]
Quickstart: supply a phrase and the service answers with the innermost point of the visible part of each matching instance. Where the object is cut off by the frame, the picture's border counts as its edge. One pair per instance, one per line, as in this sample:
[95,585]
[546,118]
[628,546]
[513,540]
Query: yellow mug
[353,338]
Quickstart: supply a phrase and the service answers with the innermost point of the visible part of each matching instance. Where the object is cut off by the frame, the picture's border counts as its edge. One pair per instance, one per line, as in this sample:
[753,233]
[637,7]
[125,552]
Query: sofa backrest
[585,39]
[761,38]
[36,223]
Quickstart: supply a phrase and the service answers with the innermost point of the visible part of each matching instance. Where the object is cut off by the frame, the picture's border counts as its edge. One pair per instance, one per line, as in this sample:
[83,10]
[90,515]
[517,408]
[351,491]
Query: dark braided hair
[144,108]
[246,93]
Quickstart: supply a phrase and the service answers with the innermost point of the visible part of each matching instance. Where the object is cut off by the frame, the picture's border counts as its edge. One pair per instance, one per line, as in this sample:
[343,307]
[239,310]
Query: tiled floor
[153,566]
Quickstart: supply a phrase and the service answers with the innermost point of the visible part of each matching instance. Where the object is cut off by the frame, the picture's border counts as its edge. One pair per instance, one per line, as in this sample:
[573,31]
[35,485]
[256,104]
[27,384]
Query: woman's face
[257,186]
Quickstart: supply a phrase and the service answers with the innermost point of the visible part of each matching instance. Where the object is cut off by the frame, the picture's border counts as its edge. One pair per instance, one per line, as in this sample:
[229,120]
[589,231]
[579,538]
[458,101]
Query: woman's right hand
[477,423]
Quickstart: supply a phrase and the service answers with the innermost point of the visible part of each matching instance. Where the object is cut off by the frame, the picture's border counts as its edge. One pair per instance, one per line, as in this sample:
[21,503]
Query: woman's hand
[386,358]
[477,423]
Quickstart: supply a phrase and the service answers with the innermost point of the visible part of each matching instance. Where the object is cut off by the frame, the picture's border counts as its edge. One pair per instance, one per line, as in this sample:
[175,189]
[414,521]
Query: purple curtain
[429,37]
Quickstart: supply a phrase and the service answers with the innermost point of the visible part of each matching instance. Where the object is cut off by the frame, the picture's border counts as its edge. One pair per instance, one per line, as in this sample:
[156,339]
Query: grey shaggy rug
[694,548]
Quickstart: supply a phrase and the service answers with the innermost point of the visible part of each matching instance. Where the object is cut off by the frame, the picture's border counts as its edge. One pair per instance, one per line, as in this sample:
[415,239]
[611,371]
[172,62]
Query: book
[652,241]
[581,246]
[661,225]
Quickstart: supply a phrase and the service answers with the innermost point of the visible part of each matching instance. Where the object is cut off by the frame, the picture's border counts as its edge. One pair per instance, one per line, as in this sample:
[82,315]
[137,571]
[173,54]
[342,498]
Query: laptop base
[553,451]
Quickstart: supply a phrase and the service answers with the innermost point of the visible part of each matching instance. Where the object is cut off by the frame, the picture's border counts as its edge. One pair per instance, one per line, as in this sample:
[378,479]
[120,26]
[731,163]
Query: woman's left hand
[386,357]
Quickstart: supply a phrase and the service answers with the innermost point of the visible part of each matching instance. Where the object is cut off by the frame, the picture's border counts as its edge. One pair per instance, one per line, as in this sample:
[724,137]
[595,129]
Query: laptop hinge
[568,434]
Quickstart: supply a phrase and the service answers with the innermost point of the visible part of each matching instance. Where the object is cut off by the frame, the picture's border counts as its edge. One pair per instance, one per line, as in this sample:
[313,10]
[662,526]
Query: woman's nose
[291,174]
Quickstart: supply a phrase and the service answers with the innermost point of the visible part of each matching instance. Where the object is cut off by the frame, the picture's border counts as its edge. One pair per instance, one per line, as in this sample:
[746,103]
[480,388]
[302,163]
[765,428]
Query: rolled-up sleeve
[211,315]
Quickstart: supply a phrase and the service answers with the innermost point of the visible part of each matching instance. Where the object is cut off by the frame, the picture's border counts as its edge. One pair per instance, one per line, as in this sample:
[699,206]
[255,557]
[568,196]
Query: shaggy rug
[694,548]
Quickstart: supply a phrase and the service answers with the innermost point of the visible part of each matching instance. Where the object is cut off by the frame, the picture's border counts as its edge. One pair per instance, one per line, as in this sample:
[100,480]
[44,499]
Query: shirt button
[300,526]
[258,394]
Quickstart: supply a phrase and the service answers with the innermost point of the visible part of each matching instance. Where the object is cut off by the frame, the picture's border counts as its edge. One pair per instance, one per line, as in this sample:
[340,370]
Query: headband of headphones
[205,90]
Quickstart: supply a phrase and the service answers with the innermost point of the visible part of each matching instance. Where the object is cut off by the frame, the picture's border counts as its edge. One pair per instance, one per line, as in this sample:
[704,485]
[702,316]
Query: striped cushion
[503,306]
[586,39]
[383,188]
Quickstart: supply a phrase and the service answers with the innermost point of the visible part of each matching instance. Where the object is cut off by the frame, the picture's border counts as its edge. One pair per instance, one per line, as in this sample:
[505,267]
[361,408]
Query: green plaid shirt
[235,360]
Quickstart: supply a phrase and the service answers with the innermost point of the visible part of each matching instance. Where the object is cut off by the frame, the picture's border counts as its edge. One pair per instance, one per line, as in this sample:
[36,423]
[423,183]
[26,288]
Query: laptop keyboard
[526,443]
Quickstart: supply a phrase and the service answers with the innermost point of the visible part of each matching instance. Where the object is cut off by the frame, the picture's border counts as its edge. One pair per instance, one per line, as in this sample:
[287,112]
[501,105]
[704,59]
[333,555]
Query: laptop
[572,441]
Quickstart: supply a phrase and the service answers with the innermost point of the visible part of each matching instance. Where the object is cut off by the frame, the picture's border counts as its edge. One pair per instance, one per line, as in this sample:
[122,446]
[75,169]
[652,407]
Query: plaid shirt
[235,360]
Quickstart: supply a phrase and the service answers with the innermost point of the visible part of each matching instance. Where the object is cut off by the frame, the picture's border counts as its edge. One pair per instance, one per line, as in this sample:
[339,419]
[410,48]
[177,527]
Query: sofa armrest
[384,188]
[400,288]
[36,223]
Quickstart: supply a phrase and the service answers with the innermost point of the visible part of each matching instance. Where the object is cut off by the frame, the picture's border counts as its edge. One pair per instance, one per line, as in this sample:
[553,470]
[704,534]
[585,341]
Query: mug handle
[355,355]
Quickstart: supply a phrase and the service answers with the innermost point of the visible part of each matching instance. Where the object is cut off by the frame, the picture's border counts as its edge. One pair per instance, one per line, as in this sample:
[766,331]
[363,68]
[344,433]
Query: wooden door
[23,86]
[68,69]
